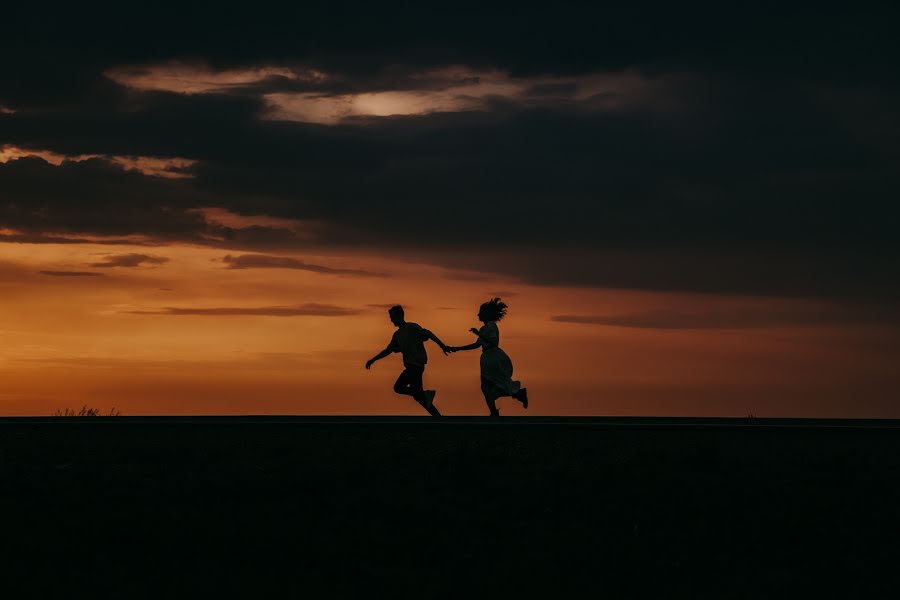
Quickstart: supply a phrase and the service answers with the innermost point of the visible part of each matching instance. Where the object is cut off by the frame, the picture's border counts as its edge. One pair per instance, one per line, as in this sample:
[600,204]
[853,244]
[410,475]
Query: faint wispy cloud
[769,315]
[71,273]
[200,78]
[13,235]
[165,167]
[130,260]
[266,261]
[302,310]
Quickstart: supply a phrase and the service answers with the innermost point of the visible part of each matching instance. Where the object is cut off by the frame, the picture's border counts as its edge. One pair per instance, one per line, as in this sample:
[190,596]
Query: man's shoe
[429,397]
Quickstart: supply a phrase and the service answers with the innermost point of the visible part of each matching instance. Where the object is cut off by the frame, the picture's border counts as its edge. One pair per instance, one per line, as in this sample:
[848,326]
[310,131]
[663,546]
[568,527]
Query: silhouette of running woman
[496,367]
[409,339]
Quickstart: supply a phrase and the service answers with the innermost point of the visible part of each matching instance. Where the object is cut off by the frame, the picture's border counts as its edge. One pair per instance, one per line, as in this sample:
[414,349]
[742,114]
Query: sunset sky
[210,211]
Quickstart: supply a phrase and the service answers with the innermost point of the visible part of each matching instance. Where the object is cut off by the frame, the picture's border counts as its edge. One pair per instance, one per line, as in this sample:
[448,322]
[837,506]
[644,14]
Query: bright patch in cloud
[459,90]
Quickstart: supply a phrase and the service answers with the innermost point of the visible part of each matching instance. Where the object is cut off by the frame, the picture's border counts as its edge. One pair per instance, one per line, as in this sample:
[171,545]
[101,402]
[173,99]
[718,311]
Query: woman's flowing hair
[494,309]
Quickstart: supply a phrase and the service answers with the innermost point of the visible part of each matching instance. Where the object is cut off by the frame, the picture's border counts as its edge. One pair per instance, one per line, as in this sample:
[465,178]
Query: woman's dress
[496,367]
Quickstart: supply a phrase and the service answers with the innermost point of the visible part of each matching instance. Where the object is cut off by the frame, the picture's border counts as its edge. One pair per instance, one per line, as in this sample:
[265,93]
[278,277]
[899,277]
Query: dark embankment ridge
[717,508]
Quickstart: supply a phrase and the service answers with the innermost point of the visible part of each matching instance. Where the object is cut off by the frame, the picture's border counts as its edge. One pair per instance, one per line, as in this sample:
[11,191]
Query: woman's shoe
[522,396]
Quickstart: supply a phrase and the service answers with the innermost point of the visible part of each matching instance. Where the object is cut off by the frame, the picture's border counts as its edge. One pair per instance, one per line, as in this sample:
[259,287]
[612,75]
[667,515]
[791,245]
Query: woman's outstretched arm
[471,346]
[488,339]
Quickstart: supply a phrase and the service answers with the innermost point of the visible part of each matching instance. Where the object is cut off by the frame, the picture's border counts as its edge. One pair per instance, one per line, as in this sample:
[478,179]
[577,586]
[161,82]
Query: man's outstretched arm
[443,346]
[384,353]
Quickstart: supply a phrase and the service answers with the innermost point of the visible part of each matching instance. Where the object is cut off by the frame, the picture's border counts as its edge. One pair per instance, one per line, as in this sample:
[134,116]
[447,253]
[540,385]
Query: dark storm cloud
[711,174]
[77,201]
[71,274]
[144,124]
[708,172]
[263,261]
[763,315]
[130,260]
[767,269]
[303,310]
[93,196]
[751,153]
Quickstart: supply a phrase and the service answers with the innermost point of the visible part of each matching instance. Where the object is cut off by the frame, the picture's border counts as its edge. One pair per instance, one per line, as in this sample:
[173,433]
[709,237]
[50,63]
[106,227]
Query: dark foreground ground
[164,508]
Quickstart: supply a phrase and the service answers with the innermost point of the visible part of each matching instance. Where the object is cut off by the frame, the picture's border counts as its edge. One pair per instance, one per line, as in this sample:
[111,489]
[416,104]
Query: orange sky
[200,227]
[131,338]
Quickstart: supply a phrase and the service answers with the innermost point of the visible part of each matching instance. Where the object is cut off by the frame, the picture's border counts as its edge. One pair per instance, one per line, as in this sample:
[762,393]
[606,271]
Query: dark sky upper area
[696,148]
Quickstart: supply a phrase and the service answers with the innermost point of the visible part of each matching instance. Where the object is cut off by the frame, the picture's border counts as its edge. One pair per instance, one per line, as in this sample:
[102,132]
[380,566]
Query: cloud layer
[660,149]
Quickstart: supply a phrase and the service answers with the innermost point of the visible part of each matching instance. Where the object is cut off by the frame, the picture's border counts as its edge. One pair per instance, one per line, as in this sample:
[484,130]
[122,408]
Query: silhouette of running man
[409,339]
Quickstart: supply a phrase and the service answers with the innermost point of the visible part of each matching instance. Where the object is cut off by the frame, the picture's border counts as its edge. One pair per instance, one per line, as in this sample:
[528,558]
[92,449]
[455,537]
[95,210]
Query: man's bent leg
[416,389]
[401,386]
[410,384]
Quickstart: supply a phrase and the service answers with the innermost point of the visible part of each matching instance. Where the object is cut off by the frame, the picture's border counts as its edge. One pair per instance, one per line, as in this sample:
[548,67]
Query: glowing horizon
[177,331]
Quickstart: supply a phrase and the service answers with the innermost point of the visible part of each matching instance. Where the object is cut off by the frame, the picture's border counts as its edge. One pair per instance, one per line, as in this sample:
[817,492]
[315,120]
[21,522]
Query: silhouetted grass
[85,411]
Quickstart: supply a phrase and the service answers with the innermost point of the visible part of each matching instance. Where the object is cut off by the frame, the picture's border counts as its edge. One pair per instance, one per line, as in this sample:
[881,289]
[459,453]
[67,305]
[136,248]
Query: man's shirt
[409,339]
